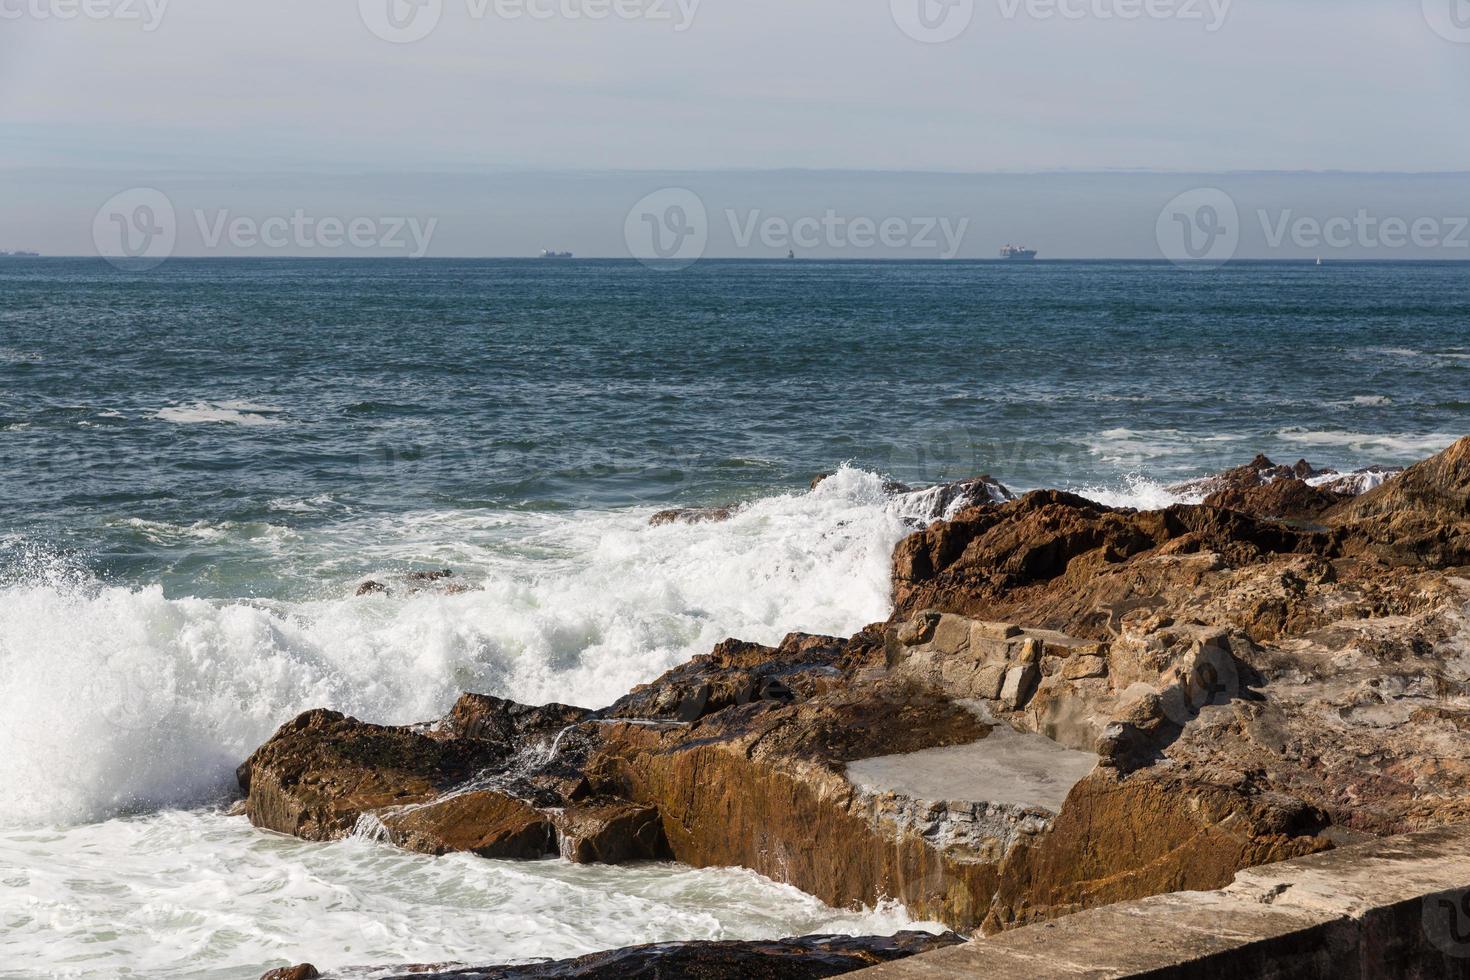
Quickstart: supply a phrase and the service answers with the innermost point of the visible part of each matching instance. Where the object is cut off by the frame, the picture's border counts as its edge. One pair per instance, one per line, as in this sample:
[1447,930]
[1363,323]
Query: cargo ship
[1017,253]
[551,254]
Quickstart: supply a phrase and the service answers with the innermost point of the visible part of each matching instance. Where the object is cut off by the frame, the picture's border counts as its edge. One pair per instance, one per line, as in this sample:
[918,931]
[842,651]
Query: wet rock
[808,958]
[483,822]
[1237,691]
[692,515]
[372,588]
[302,971]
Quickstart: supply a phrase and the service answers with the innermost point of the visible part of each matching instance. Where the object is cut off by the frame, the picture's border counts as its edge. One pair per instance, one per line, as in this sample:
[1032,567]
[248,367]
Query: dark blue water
[209,391]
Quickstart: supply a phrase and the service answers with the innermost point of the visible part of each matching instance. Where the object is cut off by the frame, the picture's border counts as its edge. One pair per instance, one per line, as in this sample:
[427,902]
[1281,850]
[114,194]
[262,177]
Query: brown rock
[692,515]
[809,958]
[483,822]
[303,971]
[612,832]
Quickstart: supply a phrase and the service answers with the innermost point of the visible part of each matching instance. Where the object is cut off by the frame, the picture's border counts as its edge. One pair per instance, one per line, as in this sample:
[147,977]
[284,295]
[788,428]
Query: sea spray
[122,700]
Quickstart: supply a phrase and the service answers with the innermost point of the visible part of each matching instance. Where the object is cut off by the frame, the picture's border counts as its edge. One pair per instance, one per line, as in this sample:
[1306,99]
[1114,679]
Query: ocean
[200,464]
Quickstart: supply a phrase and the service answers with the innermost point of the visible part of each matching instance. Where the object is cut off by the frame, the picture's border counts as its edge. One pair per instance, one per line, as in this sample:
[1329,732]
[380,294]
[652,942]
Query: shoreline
[1152,640]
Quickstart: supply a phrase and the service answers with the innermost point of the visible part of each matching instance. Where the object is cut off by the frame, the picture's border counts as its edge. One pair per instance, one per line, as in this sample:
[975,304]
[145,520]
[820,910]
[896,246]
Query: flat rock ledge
[1395,909]
[807,958]
[1072,706]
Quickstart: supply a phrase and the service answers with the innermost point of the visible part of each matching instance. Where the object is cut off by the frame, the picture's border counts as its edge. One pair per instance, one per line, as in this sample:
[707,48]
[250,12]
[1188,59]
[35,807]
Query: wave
[1138,492]
[191,894]
[120,700]
[232,412]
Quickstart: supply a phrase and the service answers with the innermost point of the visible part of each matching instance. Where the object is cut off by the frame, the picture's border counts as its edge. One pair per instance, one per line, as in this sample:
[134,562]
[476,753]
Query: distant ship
[551,254]
[1017,253]
[20,255]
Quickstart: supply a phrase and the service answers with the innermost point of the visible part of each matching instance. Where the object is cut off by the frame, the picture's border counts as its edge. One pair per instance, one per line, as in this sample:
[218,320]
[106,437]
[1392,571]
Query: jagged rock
[372,588]
[1420,517]
[808,958]
[1295,493]
[322,771]
[1071,705]
[302,971]
[483,822]
[692,515]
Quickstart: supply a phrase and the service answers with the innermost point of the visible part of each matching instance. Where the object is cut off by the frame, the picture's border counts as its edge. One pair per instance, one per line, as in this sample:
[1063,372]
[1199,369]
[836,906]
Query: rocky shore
[1071,705]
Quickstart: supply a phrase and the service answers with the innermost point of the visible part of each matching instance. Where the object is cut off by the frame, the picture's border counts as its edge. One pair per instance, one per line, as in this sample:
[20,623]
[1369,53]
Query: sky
[252,105]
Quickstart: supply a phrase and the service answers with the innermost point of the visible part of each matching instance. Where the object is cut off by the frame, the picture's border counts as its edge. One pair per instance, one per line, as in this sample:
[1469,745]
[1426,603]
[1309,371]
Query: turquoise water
[198,465]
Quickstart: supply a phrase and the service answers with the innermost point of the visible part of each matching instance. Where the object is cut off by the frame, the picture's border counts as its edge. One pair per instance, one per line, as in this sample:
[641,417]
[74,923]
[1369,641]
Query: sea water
[199,465]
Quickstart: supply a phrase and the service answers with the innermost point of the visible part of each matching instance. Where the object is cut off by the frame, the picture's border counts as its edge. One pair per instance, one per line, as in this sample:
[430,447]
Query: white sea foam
[115,699]
[232,412]
[197,894]
[1138,492]
[1383,447]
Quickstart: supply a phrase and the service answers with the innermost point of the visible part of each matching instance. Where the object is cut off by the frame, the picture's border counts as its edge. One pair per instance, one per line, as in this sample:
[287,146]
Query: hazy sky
[513,125]
[291,85]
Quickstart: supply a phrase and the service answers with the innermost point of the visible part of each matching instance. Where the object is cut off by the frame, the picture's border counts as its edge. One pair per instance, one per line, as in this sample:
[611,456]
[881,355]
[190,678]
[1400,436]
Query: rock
[940,501]
[321,772]
[612,832]
[1297,493]
[1223,688]
[692,515]
[1420,517]
[808,958]
[303,971]
[372,588]
[1020,684]
[1080,668]
[483,822]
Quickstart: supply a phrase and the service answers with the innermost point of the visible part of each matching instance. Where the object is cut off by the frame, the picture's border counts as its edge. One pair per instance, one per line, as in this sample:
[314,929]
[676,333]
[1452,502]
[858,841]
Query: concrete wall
[1395,908]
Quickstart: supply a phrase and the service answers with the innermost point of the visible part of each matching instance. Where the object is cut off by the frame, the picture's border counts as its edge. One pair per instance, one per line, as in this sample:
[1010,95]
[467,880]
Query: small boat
[791,253]
[1017,253]
[1319,260]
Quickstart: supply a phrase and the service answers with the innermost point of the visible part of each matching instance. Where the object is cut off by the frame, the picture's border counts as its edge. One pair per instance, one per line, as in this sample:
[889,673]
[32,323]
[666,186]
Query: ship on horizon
[1017,253]
[19,254]
[548,253]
